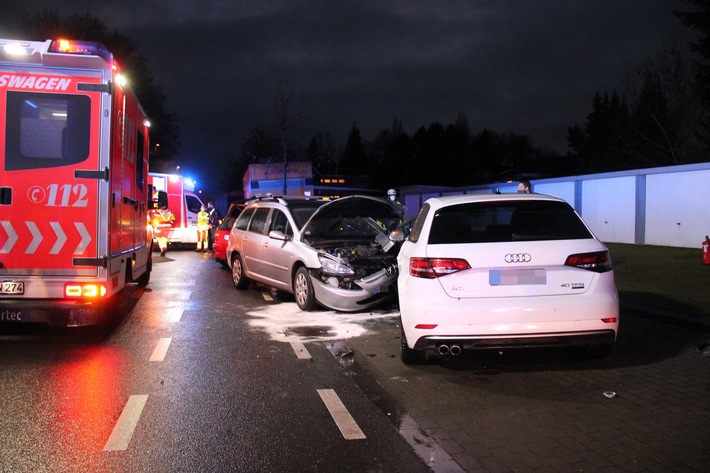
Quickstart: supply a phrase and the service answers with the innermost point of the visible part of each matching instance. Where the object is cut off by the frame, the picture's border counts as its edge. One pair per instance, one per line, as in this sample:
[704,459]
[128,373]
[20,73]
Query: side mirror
[397,236]
[278,235]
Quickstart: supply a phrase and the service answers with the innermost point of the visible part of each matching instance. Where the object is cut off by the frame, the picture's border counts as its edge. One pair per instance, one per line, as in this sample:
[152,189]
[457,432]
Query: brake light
[599,262]
[432,268]
[84,291]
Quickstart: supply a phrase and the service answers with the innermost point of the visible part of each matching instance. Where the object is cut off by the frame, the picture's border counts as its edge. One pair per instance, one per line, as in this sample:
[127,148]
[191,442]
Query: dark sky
[520,66]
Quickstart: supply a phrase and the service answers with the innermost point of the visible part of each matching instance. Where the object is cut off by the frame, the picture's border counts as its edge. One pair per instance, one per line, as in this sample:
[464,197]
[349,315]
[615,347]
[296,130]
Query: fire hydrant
[706,250]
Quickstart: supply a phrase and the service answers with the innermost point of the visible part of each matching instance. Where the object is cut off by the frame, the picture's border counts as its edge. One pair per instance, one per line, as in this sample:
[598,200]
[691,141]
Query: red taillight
[432,268]
[426,326]
[84,291]
[610,320]
[599,262]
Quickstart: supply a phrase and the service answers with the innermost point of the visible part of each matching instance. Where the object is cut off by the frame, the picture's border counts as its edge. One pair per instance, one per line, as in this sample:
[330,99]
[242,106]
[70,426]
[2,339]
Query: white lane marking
[173,314]
[160,349]
[123,430]
[345,422]
[180,295]
[267,297]
[301,351]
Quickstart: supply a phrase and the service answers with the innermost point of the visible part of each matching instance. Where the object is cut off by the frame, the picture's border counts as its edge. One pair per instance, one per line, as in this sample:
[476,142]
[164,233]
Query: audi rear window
[504,221]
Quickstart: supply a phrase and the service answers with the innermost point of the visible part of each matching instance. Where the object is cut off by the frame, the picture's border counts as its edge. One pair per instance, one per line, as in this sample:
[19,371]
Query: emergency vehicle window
[258,221]
[193,203]
[46,130]
[243,220]
[279,223]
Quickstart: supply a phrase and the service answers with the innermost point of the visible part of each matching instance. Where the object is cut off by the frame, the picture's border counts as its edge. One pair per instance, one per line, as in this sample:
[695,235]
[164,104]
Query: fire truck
[74,195]
[182,202]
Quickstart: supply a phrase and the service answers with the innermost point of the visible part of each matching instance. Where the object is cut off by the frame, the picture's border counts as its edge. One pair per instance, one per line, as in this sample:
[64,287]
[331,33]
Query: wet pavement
[644,408]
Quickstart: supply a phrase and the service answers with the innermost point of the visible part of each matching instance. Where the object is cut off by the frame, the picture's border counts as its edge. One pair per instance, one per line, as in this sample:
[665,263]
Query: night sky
[522,66]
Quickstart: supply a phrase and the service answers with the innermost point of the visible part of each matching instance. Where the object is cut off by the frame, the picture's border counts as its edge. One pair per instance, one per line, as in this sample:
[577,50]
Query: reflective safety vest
[162,222]
[203,220]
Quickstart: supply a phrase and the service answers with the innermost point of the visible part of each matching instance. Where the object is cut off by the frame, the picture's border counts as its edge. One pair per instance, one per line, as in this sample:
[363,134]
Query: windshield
[46,130]
[302,210]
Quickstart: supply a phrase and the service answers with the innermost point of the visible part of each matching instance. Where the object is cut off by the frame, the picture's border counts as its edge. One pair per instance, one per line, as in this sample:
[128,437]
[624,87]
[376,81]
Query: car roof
[443,201]
[290,201]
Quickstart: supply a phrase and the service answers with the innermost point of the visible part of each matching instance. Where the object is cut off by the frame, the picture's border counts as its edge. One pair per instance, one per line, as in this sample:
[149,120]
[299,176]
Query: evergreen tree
[600,144]
[354,159]
[699,20]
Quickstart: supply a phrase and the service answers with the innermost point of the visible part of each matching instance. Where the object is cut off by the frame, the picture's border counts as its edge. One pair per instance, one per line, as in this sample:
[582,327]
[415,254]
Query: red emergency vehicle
[74,194]
[182,202]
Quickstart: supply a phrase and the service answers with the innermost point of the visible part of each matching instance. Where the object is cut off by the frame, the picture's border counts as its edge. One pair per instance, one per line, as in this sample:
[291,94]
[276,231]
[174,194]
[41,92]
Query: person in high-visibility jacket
[162,221]
[203,225]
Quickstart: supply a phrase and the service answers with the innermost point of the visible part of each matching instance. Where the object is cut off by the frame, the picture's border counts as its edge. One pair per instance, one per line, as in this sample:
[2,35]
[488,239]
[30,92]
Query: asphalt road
[215,379]
[184,383]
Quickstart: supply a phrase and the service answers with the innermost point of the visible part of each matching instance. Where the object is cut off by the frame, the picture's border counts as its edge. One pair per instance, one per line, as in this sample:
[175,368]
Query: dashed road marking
[300,349]
[160,349]
[173,314]
[123,430]
[267,297]
[345,422]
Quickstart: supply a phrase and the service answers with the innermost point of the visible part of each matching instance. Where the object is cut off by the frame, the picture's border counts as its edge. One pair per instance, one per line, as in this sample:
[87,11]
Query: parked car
[221,235]
[336,254]
[493,271]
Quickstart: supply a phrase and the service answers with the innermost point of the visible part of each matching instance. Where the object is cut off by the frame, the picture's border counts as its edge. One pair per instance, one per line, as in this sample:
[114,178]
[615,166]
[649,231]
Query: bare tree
[285,120]
[666,115]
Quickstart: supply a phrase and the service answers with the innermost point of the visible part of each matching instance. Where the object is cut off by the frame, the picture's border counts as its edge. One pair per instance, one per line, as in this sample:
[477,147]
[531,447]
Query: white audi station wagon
[494,271]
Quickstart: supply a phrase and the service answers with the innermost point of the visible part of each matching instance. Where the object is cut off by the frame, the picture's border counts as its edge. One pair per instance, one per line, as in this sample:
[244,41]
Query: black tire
[409,355]
[240,280]
[144,279]
[303,290]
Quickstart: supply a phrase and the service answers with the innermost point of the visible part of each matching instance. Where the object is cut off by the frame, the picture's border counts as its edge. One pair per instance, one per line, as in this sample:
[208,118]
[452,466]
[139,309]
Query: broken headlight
[333,267]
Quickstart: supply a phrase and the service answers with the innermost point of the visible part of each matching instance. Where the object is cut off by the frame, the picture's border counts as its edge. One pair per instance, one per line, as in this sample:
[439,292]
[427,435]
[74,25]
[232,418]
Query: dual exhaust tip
[454,350]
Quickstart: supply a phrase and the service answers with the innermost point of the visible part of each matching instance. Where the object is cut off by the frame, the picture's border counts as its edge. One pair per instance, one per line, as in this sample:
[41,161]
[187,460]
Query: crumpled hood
[327,221]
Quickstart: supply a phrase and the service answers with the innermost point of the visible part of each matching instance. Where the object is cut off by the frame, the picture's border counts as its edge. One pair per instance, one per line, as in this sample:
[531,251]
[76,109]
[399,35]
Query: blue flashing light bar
[89,48]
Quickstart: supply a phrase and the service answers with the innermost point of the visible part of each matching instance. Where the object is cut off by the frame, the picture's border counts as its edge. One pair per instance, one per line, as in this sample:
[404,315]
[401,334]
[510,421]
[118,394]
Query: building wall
[668,206]
[678,208]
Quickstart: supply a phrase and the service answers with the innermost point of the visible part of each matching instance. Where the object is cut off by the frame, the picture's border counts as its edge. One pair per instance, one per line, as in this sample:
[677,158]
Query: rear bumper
[54,312]
[488,342]
[588,319]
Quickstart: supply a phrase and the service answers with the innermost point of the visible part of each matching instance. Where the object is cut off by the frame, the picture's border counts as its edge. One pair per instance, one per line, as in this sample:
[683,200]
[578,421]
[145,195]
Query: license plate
[12,287]
[516,277]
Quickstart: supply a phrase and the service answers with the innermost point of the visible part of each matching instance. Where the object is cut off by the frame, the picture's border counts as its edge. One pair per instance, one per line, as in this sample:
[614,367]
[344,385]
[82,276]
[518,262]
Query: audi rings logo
[518,258]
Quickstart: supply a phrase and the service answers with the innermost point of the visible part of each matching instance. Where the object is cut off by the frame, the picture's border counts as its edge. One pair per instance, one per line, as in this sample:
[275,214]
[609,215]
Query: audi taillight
[84,291]
[432,268]
[599,261]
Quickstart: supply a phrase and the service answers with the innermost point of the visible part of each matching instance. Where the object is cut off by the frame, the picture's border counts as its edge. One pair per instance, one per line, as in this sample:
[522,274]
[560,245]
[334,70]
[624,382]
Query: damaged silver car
[339,254]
